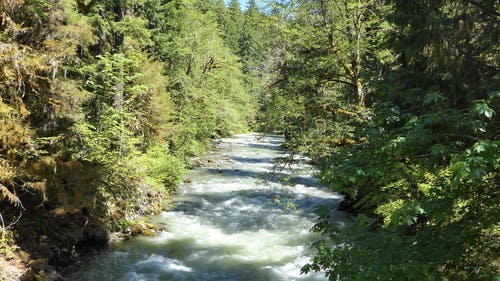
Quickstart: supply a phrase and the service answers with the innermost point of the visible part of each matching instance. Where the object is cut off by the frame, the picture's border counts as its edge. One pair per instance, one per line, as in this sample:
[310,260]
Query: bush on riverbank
[398,103]
[102,104]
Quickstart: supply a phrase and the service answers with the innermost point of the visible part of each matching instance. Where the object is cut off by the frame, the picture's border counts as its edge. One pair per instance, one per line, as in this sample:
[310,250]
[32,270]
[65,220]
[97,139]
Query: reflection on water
[235,221]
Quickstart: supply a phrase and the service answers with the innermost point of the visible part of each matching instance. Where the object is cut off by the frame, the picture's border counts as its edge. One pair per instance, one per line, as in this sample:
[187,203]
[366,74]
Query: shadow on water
[237,173]
[273,177]
[270,145]
[253,160]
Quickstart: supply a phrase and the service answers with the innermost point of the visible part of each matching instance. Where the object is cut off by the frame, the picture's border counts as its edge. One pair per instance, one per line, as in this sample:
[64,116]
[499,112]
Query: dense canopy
[104,103]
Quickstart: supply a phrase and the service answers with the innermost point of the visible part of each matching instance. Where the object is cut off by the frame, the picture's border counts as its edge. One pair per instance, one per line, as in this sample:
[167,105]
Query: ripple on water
[233,222]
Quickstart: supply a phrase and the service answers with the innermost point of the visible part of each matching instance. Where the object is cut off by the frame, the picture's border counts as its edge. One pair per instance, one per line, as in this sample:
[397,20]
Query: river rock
[144,228]
[38,264]
[149,232]
[23,256]
[150,226]
[137,229]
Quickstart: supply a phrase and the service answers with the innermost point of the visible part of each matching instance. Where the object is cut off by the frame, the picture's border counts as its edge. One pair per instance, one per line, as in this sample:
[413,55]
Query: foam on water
[233,222]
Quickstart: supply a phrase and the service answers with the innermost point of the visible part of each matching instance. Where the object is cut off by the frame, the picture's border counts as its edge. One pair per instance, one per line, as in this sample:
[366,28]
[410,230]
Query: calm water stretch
[234,221]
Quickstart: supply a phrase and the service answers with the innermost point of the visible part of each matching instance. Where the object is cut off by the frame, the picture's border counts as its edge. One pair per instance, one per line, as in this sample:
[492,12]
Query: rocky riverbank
[45,246]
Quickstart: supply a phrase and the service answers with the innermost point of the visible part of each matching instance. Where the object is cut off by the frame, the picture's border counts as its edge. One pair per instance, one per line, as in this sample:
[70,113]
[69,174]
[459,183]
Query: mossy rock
[137,229]
[144,228]
[149,232]
[150,226]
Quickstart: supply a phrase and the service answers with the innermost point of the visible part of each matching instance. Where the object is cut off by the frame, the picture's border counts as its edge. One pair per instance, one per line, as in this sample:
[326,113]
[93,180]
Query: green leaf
[489,113]
[438,149]
[482,108]
[480,146]
[433,98]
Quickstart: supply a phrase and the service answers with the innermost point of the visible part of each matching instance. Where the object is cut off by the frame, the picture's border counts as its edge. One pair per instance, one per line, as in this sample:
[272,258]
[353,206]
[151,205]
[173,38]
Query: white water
[229,223]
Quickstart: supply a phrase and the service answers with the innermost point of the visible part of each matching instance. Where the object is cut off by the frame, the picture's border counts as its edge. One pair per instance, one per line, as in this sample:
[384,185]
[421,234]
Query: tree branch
[487,10]
[463,136]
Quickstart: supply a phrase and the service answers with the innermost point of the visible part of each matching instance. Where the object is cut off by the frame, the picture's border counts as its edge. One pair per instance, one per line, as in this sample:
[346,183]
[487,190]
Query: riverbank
[236,218]
[236,180]
[43,257]
[12,269]
[42,246]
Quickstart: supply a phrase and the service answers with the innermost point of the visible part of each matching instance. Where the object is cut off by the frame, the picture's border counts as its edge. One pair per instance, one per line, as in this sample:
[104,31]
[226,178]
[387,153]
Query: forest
[104,104]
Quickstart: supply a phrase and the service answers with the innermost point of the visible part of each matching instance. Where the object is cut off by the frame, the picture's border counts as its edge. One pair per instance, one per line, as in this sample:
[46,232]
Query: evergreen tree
[103,102]
[232,26]
[205,77]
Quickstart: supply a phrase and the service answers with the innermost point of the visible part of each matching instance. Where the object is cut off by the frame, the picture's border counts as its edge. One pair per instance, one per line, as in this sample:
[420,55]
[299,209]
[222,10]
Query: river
[235,221]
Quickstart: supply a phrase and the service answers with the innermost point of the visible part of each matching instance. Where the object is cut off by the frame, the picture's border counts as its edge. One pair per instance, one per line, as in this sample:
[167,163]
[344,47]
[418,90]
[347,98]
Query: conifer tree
[233,26]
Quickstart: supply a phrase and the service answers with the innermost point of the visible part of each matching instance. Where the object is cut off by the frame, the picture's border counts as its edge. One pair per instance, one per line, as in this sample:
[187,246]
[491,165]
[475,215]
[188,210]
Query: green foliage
[103,102]
[207,83]
[158,168]
[7,243]
[431,187]
[325,51]
[418,159]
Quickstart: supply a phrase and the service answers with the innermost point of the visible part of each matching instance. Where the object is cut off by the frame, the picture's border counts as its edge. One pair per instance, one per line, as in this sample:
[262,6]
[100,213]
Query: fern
[9,196]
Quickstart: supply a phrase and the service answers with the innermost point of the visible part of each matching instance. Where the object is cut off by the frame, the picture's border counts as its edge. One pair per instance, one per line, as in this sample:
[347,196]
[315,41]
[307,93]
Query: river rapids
[242,217]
